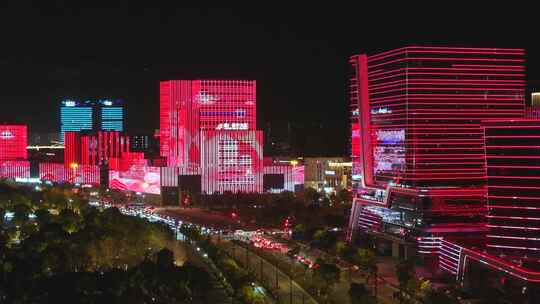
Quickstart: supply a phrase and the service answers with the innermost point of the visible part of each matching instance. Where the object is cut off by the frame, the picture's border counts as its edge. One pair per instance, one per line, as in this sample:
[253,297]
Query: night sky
[298,55]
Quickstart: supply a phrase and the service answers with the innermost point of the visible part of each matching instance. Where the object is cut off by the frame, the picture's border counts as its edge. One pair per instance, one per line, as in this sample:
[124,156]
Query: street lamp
[74,167]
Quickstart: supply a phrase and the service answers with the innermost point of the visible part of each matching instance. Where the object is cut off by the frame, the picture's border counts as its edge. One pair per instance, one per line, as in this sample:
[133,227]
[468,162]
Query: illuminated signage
[340,164]
[137,179]
[30,180]
[391,136]
[232,126]
[107,103]
[381,111]
[6,134]
[69,103]
[328,172]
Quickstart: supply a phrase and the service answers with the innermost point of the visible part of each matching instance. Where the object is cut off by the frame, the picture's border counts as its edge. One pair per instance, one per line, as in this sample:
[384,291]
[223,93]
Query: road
[340,290]
[284,289]
[217,292]
[202,217]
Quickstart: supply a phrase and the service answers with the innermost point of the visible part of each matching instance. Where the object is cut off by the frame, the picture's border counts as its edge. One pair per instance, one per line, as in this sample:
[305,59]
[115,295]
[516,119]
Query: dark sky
[298,55]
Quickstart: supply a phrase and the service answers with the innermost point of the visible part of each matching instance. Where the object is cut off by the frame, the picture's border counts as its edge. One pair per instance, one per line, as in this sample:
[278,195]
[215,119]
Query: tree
[165,259]
[2,215]
[299,231]
[334,220]
[55,198]
[365,258]
[340,247]
[319,235]
[359,294]
[43,217]
[333,199]
[70,221]
[438,296]
[20,214]
[364,240]
[326,275]
[344,196]
[405,273]
[250,295]
[311,196]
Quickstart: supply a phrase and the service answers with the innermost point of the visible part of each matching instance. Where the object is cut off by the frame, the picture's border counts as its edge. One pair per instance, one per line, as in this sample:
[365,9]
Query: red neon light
[443,59]
[232,161]
[57,172]
[94,149]
[457,72]
[200,119]
[426,121]
[447,50]
[14,168]
[361,99]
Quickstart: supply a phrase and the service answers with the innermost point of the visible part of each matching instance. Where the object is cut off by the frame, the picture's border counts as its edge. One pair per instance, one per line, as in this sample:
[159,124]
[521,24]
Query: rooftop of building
[106,102]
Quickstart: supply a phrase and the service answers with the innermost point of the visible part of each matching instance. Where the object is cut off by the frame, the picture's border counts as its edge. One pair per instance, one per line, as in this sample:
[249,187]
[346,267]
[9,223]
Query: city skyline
[302,71]
[299,154]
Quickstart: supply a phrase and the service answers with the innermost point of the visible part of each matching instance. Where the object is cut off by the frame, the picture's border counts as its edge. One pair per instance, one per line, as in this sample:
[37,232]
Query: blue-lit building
[91,115]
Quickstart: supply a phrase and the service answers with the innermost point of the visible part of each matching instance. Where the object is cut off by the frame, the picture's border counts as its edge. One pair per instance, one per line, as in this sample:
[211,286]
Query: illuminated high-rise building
[91,115]
[13,153]
[513,181]
[94,148]
[417,141]
[13,142]
[208,128]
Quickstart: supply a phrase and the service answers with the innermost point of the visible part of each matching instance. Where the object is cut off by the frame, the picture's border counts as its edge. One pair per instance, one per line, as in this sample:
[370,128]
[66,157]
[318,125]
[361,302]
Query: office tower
[201,119]
[513,183]
[91,115]
[13,142]
[417,141]
[94,149]
[13,153]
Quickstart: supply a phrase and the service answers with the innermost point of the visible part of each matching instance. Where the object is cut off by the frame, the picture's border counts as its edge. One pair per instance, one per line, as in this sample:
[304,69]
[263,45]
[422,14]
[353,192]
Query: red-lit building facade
[208,129]
[94,148]
[507,256]
[88,156]
[417,138]
[513,182]
[79,174]
[13,142]
[13,154]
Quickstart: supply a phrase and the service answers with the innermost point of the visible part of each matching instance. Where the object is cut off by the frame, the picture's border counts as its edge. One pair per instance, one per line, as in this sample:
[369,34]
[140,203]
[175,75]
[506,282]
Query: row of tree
[239,278]
[54,247]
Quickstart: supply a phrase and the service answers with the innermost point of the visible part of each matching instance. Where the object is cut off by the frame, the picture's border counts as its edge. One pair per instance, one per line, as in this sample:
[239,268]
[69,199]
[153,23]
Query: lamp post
[247,259]
[74,167]
[290,286]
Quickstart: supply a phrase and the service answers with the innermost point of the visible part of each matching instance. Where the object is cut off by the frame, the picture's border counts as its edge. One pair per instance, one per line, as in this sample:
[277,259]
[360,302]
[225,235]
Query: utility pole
[290,285]
[261,270]
[376,284]
[247,259]
[277,282]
